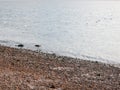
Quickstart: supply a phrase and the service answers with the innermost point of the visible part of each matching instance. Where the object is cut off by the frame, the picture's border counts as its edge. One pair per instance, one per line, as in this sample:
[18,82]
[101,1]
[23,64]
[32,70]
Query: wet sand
[22,69]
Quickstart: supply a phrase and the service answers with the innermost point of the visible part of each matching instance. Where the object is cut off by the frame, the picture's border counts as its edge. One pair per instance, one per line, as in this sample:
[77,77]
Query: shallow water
[83,29]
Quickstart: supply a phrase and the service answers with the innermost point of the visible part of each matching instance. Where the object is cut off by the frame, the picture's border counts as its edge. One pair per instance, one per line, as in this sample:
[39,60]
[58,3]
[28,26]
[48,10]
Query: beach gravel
[28,70]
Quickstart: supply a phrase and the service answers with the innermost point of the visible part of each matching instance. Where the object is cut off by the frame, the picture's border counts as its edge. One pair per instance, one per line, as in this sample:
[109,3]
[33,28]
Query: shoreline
[23,69]
[36,49]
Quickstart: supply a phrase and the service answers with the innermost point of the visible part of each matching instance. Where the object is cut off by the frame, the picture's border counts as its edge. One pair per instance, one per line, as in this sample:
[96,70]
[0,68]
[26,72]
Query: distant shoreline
[22,69]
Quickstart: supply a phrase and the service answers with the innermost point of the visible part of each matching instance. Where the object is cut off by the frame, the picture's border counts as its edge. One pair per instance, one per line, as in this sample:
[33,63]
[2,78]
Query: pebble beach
[22,69]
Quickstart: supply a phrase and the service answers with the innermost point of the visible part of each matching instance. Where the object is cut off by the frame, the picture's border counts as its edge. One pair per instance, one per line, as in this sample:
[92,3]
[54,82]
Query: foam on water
[83,29]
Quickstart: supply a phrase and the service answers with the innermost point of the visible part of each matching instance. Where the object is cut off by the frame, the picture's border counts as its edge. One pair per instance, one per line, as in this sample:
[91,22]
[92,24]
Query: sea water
[83,29]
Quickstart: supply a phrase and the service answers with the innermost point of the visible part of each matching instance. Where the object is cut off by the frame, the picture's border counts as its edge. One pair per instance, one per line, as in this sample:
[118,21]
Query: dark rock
[12,63]
[96,62]
[20,45]
[98,74]
[109,78]
[37,45]
[51,86]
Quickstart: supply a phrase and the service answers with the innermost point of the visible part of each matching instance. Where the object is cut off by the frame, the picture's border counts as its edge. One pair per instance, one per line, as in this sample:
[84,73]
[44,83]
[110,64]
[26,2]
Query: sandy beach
[22,69]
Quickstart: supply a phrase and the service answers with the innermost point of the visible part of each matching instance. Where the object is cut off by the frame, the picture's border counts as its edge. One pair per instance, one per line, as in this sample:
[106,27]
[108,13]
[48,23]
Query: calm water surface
[87,30]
